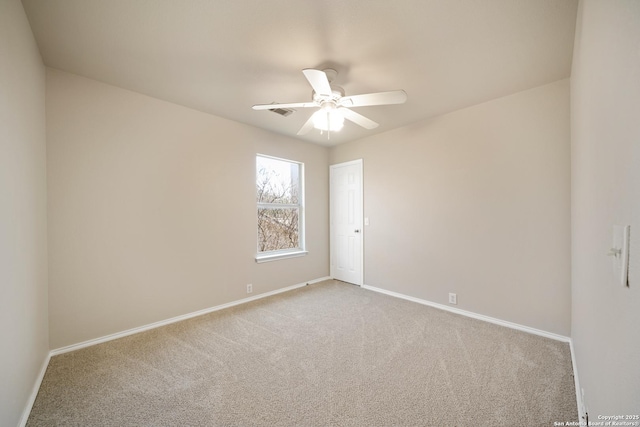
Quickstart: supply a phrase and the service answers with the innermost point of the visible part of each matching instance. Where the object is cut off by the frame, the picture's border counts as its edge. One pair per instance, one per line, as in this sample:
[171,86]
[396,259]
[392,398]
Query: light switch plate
[621,258]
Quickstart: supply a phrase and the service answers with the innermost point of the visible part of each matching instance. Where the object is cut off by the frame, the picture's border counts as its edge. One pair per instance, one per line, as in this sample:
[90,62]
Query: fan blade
[379,98]
[290,105]
[318,81]
[306,127]
[357,118]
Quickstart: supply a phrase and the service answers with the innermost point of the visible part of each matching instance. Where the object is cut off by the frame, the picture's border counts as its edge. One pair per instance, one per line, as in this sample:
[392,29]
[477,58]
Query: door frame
[361,202]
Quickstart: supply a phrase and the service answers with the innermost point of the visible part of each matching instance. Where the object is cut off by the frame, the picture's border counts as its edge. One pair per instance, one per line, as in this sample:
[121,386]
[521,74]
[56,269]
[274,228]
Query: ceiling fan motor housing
[336,93]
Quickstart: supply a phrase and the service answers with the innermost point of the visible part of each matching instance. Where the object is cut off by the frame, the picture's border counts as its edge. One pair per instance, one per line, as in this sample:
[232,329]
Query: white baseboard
[34,391]
[473,315]
[154,325]
[576,382]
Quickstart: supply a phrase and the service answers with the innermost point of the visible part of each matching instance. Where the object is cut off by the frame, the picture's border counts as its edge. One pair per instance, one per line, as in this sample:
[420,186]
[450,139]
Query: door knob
[357,231]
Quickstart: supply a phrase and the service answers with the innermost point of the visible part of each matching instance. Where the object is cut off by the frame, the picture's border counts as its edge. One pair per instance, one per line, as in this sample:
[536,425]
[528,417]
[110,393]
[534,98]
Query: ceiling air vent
[282,111]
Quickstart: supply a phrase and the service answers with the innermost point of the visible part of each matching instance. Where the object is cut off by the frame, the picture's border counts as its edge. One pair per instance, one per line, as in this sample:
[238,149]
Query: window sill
[277,256]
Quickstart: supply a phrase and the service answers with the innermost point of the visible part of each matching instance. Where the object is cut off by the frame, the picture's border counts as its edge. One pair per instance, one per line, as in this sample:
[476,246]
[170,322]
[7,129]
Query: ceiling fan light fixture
[328,120]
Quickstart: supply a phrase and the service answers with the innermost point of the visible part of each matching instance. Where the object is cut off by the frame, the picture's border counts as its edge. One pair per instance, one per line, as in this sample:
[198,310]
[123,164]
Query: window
[280,203]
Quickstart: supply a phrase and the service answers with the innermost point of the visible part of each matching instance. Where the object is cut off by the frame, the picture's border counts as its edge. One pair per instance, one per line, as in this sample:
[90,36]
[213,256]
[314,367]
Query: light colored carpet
[329,354]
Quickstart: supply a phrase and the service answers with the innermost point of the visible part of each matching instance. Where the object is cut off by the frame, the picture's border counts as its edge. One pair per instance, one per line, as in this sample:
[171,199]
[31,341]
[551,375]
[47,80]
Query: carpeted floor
[329,354]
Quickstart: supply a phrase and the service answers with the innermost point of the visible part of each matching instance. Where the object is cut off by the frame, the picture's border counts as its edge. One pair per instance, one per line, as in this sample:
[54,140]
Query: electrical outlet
[249,288]
[453,299]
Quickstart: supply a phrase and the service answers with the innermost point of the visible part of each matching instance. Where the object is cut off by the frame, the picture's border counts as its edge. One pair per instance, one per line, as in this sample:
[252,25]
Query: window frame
[291,252]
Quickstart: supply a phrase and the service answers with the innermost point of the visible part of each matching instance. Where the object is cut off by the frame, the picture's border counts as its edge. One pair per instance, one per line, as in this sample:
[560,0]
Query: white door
[346,222]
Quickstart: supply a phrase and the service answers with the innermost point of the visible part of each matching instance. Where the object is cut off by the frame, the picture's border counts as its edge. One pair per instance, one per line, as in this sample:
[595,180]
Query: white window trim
[287,253]
[276,255]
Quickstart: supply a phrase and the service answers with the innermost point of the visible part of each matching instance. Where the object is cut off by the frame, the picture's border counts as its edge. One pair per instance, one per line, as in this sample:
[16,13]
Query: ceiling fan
[334,105]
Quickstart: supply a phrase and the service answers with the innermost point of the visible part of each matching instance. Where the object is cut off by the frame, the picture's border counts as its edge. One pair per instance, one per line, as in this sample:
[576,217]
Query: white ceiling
[221,57]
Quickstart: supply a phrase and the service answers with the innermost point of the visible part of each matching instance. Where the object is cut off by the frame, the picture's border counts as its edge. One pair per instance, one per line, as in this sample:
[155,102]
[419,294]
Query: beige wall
[605,128]
[475,202]
[152,210]
[23,226]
